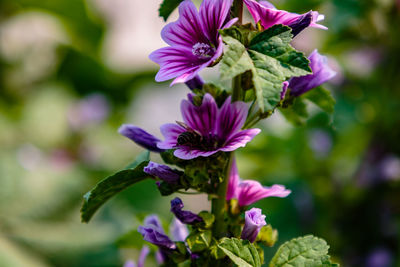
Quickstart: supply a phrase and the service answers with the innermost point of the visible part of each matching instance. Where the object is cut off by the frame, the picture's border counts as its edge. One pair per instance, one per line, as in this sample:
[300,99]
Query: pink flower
[265,13]
[248,192]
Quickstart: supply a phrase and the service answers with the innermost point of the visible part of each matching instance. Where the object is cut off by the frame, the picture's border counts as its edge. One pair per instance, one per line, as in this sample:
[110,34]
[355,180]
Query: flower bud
[254,221]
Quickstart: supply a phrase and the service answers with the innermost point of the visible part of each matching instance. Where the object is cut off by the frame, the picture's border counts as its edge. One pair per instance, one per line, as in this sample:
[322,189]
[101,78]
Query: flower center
[202,50]
[193,139]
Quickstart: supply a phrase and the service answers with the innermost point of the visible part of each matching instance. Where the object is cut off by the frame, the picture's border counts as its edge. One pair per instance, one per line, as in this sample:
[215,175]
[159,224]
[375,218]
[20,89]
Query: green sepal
[198,241]
[268,236]
[111,186]
[180,254]
[241,252]
[302,251]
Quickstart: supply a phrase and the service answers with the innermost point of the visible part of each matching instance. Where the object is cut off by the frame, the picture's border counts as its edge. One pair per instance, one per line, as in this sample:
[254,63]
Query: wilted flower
[140,137]
[321,74]
[186,217]
[163,172]
[249,191]
[207,129]
[265,13]
[194,40]
[152,232]
[254,221]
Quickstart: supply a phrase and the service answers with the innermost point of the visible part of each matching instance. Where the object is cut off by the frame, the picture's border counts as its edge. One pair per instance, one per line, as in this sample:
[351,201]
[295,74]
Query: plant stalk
[237,10]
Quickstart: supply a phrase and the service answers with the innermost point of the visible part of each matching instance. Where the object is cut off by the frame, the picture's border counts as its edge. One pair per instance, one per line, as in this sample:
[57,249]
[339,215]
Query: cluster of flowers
[211,127]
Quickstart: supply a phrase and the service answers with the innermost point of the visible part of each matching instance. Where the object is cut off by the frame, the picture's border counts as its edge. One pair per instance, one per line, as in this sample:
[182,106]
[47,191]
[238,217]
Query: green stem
[237,10]
[218,204]
[237,88]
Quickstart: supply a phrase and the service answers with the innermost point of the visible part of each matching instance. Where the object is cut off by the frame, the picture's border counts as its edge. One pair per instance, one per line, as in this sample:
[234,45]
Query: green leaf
[167,7]
[269,57]
[297,112]
[111,186]
[199,241]
[322,98]
[144,156]
[303,251]
[241,252]
[208,219]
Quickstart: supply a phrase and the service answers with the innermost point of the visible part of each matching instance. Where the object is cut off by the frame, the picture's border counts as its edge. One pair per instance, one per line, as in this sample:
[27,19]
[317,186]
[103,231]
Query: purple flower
[186,217]
[321,73]
[178,230]
[163,172]
[140,137]
[196,83]
[130,263]
[207,129]
[194,40]
[265,13]
[152,232]
[254,221]
[249,191]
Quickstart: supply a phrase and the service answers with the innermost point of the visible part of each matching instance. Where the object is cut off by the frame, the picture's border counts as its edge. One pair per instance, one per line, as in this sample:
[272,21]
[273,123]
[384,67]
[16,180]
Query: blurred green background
[72,71]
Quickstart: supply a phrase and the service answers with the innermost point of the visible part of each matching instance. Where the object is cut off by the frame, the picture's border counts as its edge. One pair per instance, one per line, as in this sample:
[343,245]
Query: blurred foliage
[344,171]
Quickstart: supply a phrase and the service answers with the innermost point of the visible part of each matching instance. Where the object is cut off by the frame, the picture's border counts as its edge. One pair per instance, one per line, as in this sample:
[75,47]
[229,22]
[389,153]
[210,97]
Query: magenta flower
[321,74]
[248,192]
[194,40]
[265,13]
[254,221]
[207,129]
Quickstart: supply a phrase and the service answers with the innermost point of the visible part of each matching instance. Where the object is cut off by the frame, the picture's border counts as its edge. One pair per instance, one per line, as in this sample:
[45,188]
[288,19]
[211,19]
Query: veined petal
[213,14]
[203,118]
[187,30]
[269,16]
[170,132]
[240,139]
[175,61]
[231,118]
[251,191]
[188,153]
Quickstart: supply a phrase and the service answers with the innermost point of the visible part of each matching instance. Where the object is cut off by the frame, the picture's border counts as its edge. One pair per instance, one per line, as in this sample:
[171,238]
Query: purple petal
[252,191]
[231,118]
[254,221]
[163,172]
[142,256]
[152,221]
[178,231]
[203,118]
[301,23]
[140,137]
[188,153]
[213,14]
[177,62]
[240,139]
[321,74]
[159,239]
[233,182]
[130,263]
[270,16]
[187,30]
[170,132]
[186,217]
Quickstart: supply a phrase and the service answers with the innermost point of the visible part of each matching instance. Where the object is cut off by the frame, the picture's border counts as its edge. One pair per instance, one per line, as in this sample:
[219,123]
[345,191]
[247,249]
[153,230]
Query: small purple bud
[195,83]
[254,221]
[184,216]
[152,232]
[163,172]
[140,137]
[301,23]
